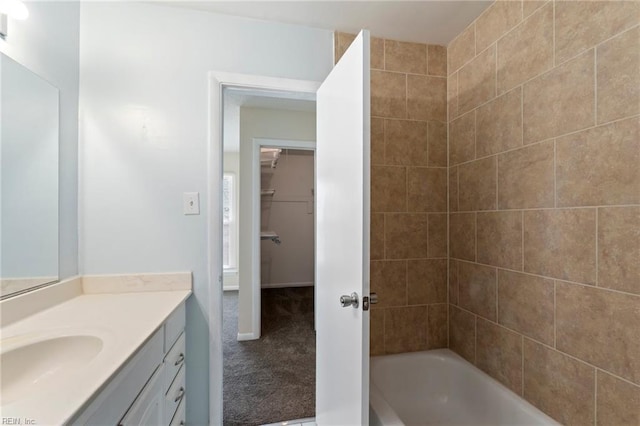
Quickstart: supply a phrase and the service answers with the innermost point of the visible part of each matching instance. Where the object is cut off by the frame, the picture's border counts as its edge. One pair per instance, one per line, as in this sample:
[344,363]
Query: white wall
[260,123]
[289,212]
[47,44]
[144,120]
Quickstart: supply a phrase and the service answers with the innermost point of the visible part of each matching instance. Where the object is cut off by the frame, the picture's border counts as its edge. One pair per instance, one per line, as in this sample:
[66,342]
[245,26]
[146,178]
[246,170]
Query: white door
[342,239]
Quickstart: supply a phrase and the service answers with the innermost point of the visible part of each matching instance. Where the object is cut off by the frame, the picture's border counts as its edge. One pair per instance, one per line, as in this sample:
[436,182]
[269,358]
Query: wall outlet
[191,203]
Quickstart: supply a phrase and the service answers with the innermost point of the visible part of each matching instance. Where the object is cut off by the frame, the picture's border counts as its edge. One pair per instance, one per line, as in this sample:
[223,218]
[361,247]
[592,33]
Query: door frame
[256,284]
[218,80]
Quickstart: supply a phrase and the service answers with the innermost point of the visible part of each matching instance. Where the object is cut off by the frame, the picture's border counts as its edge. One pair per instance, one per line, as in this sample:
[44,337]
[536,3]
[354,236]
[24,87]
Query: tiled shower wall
[544,134]
[408,194]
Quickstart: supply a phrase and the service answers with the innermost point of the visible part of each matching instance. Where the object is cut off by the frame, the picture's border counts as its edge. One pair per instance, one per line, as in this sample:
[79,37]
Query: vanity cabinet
[150,388]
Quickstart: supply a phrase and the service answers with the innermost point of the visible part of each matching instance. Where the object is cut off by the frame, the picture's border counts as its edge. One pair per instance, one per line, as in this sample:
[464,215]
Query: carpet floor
[271,379]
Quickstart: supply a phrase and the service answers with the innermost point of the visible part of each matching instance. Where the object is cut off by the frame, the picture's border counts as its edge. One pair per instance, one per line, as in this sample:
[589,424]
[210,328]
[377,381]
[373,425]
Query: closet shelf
[267,192]
[270,235]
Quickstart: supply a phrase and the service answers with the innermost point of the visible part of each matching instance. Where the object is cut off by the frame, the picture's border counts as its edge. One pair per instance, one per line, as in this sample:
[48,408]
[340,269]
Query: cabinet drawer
[175,395]
[174,326]
[147,408]
[180,418]
[173,361]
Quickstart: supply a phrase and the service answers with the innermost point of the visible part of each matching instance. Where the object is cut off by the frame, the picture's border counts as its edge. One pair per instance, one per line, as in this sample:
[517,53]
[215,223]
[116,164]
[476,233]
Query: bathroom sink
[35,365]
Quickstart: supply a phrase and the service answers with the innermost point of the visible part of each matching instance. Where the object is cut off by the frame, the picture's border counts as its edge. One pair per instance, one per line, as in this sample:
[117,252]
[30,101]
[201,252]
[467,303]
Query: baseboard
[247,336]
[284,285]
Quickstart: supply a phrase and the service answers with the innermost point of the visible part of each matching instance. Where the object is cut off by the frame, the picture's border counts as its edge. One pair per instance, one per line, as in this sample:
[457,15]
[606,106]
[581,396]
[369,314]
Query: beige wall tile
[437,335]
[618,64]
[452,96]
[376,342]
[477,185]
[500,239]
[561,244]
[437,235]
[388,189]
[388,94]
[477,81]
[405,329]
[580,25]
[499,18]
[462,333]
[427,189]
[499,354]
[619,248]
[405,57]
[526,305]
[560,386]
[377,53]
[462,49]
[477,289]
[437,60]
[462,236]
[426,97]
[618,402]
[526,177]
[389,281]
[342,41]
[406,143]
[530,6]
[437,141]
[377,236]
[377,141]
[406,235]
[427,281]
[600,166]
[453,281]
[560,101]
[453,189]
[600,327]
[499,124]
[462,139]
[527,51]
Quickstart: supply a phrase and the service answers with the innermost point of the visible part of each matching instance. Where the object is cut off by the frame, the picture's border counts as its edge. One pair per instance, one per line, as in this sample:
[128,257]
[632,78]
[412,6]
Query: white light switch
[191,203]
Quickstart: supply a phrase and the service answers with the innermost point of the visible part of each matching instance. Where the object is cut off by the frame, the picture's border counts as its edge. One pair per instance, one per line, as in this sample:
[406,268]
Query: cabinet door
[148,408]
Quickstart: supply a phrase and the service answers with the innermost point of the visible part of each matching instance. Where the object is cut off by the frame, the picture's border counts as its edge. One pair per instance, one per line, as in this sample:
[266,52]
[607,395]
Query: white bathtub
[439,387]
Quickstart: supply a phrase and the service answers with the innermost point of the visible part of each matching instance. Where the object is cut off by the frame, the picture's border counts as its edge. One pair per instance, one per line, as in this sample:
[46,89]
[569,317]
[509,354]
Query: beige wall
[544,136]
[408,194]
[288,212]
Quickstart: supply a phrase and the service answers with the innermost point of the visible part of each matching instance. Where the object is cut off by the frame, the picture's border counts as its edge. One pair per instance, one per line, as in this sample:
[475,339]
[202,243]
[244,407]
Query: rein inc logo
[18,421]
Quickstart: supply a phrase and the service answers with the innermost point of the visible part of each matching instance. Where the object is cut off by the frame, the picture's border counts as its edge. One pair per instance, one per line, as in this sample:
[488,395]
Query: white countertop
[124,321]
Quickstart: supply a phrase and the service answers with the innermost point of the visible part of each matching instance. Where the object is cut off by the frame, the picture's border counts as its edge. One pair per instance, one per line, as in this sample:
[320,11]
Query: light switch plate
[191,203]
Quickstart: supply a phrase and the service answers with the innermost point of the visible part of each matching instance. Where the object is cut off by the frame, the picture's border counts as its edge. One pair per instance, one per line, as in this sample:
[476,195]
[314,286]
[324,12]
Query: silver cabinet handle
[180,359]
[180,394]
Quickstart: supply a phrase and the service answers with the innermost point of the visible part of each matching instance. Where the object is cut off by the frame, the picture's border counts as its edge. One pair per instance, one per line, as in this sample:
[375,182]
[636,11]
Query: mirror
[28,179]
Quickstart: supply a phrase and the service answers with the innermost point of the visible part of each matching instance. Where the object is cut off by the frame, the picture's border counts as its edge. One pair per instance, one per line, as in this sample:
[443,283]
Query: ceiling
[434,22]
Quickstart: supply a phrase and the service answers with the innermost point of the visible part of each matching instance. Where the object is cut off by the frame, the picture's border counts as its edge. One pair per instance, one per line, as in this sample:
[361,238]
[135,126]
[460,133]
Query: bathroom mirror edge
[29,179]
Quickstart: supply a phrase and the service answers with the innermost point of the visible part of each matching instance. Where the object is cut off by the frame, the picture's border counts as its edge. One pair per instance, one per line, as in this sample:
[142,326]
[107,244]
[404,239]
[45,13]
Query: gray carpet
[271,379]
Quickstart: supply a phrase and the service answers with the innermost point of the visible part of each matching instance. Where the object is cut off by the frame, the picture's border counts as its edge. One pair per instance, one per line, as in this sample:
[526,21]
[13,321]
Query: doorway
[268,255]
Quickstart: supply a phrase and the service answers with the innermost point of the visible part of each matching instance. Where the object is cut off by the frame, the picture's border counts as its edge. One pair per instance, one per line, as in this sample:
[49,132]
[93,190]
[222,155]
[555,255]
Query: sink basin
[37,365]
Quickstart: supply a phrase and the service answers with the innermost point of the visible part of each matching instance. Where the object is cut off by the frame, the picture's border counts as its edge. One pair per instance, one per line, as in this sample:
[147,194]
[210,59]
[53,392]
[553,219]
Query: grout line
[597,249]
[595,86]
[534,209]
[555,322]
[475,133]
[522,115]
[595,398]
[591,286]
[555,173]
[522,367]
[522,238]
[553,23]
[476,236]
[548,139]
